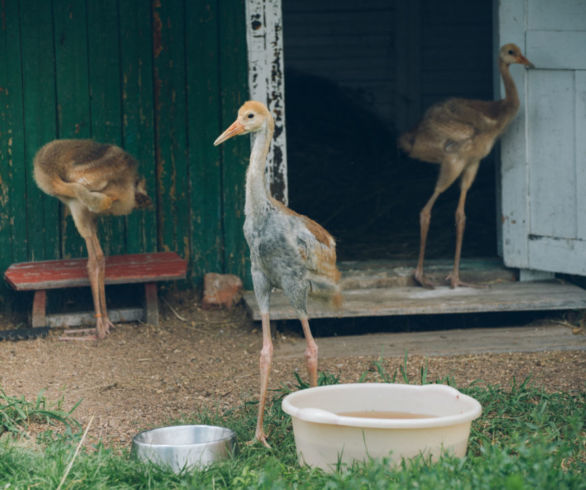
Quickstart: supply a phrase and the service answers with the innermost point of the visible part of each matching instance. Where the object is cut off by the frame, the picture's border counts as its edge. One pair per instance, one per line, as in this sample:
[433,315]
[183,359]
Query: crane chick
[457,134]
[91,179]
[287,250]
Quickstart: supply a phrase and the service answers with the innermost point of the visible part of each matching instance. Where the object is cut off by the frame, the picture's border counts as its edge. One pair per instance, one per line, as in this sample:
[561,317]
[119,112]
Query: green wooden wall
[161,78]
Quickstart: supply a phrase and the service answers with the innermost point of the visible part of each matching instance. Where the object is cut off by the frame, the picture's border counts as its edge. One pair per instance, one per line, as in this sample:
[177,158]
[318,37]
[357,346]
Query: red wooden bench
[148,268]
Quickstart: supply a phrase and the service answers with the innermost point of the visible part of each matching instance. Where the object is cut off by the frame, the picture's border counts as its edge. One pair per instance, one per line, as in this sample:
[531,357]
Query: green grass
[525,439]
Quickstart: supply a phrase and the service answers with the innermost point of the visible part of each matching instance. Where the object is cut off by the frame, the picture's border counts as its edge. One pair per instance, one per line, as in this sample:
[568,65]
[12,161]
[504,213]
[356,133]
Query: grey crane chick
[287,250]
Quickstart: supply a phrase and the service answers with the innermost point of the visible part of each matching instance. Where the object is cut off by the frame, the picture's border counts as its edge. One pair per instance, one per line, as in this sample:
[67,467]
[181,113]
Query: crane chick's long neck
[511,100]
[257,195]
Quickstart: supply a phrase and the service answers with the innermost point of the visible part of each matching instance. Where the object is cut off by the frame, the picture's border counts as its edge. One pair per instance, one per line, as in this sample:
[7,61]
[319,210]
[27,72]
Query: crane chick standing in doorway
[457,134]
[287,250]
[91,179]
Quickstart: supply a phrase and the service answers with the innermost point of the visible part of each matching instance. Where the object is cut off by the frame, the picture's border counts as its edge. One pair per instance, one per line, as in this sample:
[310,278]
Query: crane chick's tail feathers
[326,290]
[406,141]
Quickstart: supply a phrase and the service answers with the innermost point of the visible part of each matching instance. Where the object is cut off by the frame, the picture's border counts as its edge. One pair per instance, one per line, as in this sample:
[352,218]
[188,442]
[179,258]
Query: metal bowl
[184,447]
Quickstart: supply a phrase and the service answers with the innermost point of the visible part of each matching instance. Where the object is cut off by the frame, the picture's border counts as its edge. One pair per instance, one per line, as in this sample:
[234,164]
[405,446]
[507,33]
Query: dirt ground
[142,376]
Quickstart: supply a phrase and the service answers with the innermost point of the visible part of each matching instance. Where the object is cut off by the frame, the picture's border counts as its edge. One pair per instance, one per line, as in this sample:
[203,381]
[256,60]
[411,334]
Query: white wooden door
[543,154]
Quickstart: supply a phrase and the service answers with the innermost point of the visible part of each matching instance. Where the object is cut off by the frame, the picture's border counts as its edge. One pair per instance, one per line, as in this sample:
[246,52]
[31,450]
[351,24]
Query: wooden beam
[39,315]
[151,303]
[266,81]
[502,297]
[205,166]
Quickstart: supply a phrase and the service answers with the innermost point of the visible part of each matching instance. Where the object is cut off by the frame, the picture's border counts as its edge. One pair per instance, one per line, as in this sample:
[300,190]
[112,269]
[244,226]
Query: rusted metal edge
[16,334]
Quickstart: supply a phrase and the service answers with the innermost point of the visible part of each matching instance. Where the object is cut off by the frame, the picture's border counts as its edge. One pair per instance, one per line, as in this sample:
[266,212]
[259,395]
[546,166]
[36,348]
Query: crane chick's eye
[511,52]
[250,116]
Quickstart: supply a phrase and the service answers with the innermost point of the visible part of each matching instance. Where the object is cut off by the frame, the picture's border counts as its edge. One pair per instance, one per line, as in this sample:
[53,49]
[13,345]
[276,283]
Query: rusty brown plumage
[91,179]
[457,134]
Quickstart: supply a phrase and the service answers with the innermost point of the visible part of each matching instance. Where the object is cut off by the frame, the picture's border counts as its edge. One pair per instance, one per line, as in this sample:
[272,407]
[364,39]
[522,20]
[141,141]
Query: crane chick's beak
[235,128]
[524,61]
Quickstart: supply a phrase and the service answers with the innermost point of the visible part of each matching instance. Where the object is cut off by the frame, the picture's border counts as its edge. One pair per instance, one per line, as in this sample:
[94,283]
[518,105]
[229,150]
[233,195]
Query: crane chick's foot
[103,326]
[422,280]
[455,282]
[259,437]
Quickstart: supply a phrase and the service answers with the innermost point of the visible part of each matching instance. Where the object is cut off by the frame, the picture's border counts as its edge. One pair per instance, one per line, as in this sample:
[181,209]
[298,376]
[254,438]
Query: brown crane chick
[91,179]
[457,134]
[287,250]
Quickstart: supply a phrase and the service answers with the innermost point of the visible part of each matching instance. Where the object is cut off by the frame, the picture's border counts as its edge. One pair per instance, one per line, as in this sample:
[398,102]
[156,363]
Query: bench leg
[151,303]
[40,309]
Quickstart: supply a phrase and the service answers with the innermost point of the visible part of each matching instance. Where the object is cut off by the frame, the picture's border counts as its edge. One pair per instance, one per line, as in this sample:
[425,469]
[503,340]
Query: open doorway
[349,93]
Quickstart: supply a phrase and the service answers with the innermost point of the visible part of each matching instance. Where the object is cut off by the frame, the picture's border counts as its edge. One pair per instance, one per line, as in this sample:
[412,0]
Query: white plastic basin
[323,437]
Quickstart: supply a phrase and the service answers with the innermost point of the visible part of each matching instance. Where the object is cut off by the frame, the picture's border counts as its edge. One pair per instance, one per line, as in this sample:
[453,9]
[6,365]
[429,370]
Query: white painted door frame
[264,29]
[266,81]
[543,161]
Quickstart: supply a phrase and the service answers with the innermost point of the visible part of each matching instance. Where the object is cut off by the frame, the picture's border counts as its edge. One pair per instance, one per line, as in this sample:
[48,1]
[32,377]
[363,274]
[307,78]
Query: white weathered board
[543,172]
[514,296]
[266,81]
[386,288]
[535,338]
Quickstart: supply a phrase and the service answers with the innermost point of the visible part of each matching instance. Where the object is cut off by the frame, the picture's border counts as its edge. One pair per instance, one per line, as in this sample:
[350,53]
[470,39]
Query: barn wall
[457,57]
[399,56]
[443,49]
[349,41]
[402,56]
[161,79]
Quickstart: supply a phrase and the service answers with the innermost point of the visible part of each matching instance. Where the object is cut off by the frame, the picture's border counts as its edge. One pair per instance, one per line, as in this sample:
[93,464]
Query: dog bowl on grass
[182,447]
[354,422]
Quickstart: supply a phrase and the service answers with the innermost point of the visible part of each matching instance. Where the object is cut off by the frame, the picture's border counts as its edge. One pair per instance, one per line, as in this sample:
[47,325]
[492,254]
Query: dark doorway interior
[349,66]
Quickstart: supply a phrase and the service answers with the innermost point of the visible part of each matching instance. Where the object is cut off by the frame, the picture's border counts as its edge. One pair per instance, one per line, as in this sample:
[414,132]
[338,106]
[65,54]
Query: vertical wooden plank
[12,159]
[552,179]
[580,151]
[105,98]
[170,125]
[204,126]
[514,165]
[266,80]
[151,304]
[39,316]
[73,103]
[137,107]
[39,104]
[13,166]
[234,92]
[497,151]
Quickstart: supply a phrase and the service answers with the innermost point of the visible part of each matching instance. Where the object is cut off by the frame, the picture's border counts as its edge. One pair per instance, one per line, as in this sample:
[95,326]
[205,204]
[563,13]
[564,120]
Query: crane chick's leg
[310,352]
[85,223]
[262,291]
[424,220]
[449,172]
[468,176]
[98,265]
[96,202]
[296,289]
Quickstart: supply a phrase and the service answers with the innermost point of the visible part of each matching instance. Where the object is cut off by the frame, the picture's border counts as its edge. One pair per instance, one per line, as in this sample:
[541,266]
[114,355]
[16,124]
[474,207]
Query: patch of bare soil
[142,376]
